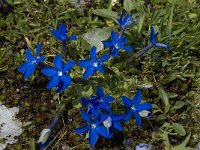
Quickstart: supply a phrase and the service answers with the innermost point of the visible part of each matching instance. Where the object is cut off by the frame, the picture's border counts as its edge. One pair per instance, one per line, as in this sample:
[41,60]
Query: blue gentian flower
[103,100]
[61,33]
[58,75]
[143,146]
[100,101]
[135,108]
[125,21]
[28,67]
[153,41]
[94,127]
[115,43]
[92,106]
[94,64]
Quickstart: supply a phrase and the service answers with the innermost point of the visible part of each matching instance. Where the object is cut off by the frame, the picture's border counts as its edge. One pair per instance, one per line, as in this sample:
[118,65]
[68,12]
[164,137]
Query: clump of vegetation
[172,75]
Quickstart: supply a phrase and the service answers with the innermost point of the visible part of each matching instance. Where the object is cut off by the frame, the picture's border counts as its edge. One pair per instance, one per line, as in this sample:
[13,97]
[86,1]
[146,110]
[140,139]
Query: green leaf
[167,108]
[169,25]
[141,22]
[178,105]
[163,95]
[76,103]
[184,143]
[106,13]
[96,36]
[32,144]
[128,5]
[166,140]
[179,129]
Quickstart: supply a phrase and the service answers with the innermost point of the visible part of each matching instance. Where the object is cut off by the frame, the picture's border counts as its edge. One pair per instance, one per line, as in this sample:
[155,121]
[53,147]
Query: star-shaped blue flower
[61,33]
[97,103]
[94,127]
[115,43]
[135,107]
[125,21]
[93,64]
[59,75]
[28,67]
[153,41]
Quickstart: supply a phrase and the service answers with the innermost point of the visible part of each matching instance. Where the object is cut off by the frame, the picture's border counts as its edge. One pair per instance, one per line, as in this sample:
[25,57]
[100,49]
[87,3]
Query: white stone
[10,127]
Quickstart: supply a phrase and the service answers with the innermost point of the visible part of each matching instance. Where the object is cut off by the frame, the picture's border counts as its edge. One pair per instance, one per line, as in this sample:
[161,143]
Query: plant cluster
[101,120]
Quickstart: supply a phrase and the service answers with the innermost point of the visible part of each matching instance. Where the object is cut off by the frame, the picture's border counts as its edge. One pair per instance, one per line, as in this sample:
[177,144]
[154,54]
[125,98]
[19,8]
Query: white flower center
[116,46]
[101,99]
[60,73]
[95,64]
[37,57]
[133,108]
[94,125]
[33,62]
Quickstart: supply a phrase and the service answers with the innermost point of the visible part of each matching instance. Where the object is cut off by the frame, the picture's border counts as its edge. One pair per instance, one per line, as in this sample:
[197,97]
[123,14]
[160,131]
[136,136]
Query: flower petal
[23,67]
[84,101]
[163,45]
[82,129]
[95,112]
[38,48]
[115,52]
[100,68]
[127,48]
[68,66]
[93,136]
[114,36]
[85,63]
[66,79]
[122,16]
[56,34]
[62,30]
[89,71]
[152,36]
[122,40]
[118,126]
[73,37]
[127,116]
[127,102]
[61,87]
[107,99]
[116,117]
[58,62]
[48,71]
[137,98]
[53,82]
[100,91]
[108,44]
[144,106]
[102,131]
[93,54]
[137,118]
[29,55]
[41,59]
[102,117]
[86,117]
[29,70]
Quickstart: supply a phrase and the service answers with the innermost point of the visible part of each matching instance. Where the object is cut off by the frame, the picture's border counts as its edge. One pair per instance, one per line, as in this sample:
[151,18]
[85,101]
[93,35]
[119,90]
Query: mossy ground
[25,23]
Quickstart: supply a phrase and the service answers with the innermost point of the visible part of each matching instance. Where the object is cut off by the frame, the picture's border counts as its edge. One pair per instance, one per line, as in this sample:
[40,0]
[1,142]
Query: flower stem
[121,33]
[144,50]
[64,49]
